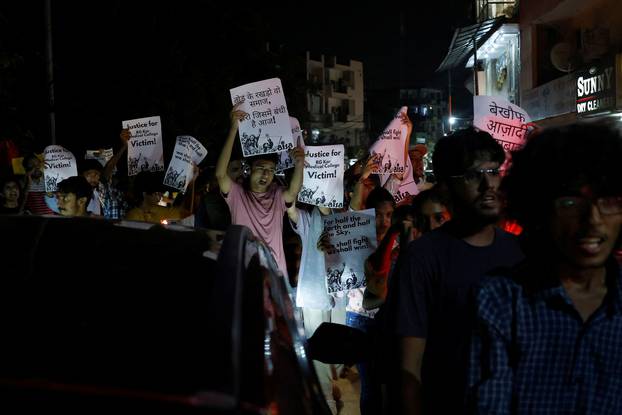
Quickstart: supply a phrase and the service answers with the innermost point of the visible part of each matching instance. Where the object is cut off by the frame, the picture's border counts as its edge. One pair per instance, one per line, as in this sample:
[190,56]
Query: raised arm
[292,213]
[295,184]
[224,182]
[358,202]
[112,163]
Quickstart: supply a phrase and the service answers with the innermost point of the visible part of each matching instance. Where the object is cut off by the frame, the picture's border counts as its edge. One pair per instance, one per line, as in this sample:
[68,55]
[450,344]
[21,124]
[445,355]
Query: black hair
[26,160]
[247,165]
[557,162]
[377,196]
[455,153]
[273,157]
[429,195]
[76,185]
[11,178]
[90,164]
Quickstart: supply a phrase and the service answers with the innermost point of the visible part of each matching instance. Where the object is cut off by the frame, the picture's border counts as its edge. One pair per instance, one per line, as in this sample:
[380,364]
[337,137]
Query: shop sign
[596,89]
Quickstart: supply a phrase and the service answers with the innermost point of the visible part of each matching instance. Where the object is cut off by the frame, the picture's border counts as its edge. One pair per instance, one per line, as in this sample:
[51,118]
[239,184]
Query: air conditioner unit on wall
[564,57]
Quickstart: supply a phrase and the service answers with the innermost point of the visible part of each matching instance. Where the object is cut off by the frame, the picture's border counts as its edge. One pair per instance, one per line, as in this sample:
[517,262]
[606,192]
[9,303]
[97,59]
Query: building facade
[571,69]
[335,101]
[427,109]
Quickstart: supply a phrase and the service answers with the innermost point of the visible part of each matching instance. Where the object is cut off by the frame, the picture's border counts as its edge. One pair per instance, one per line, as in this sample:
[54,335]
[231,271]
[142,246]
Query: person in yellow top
[150,188]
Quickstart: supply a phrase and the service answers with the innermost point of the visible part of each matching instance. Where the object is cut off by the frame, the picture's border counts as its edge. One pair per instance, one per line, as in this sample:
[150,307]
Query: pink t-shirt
[263,214]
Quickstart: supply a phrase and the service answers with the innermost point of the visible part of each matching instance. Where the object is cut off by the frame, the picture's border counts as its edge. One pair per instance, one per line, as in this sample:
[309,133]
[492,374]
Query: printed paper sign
[144,151]
[322,184]
[58,164]
[352,238]
[285,160]
[504,121]
[188,151]
[103,155]
[405,191]
[266,128]
[390,146]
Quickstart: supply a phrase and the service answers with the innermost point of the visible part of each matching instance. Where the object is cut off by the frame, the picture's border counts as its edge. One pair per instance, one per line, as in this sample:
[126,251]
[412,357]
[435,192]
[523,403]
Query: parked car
[104,317]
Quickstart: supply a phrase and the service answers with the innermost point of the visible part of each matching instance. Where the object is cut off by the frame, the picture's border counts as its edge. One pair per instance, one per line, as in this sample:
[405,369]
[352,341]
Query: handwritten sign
[58,164]
[103,155]
[322,184]
[144,152]
[266,128]
[188,151]
[390,146]
[504,121]
[352,238]
[285,160]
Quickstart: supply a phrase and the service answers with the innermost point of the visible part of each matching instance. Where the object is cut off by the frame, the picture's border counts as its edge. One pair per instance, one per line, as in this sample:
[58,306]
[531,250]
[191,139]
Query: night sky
[118,60]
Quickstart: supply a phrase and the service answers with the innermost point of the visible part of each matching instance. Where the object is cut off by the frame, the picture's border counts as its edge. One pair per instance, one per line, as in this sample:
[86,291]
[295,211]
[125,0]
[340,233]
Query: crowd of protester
[462,315]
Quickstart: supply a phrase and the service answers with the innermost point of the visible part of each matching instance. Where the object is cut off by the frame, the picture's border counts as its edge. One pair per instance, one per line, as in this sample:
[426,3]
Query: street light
[452,120]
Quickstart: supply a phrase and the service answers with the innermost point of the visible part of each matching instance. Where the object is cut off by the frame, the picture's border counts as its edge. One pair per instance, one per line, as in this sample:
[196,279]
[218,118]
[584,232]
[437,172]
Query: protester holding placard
[113,199]
[361,318]
[34,186]
[311,294]
[259,203]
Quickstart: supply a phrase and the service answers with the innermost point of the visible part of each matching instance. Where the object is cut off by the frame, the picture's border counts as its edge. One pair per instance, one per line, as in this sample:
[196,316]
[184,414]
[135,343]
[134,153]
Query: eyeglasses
[576,205]
[476,175]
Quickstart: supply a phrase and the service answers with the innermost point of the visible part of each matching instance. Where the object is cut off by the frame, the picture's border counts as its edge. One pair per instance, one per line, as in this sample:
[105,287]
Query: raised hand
[298,155]
[236,115]
[125,136]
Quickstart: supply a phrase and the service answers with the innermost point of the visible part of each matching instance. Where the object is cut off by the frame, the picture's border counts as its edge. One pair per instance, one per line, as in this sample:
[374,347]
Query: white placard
[188,150]
[504,121]
[266,129]
[322,184]
[103,155]
[58,164]
[391,145]
[285,160]
[352,236]
[144,150]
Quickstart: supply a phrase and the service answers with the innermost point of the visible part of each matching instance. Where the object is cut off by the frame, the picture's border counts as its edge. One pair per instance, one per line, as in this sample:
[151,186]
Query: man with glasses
[548,337]
[259,203]
[430,292]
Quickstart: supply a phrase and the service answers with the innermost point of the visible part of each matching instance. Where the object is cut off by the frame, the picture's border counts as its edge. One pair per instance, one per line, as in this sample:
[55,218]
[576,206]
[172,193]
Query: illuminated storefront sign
[596,89]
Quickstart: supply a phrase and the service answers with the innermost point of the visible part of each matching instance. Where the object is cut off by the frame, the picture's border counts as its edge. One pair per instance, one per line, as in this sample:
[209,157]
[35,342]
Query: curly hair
[455,153]
[557,162]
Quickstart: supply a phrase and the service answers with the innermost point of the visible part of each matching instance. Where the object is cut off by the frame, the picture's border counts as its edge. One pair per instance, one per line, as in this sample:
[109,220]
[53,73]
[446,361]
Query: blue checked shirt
[532,353]
[112,201]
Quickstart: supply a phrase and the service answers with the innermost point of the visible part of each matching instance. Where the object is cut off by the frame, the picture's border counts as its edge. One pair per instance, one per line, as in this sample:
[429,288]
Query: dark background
[118,60]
